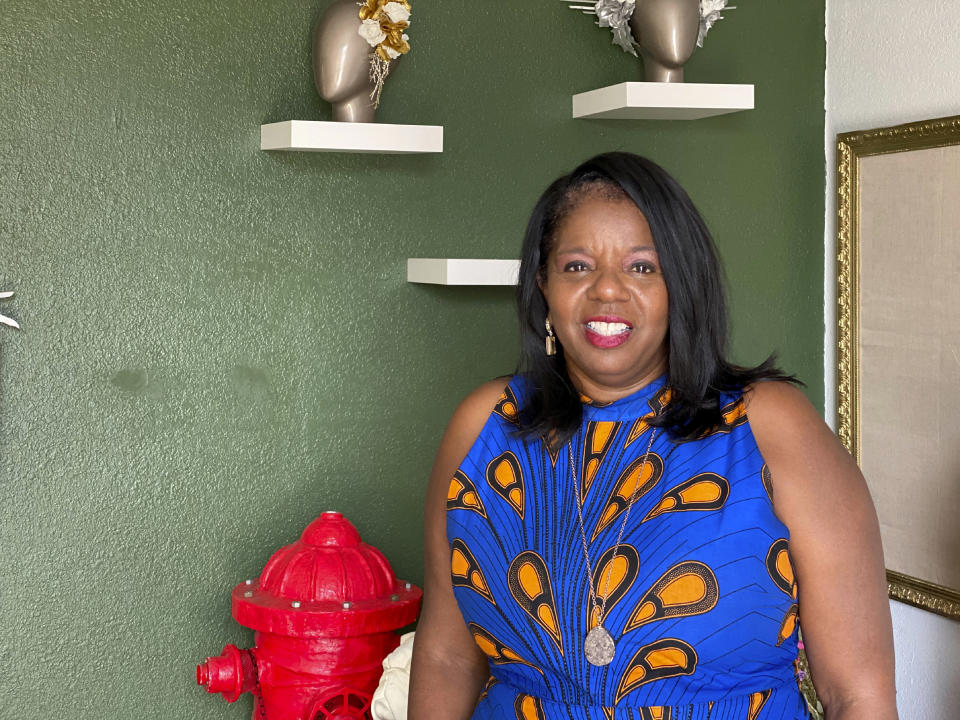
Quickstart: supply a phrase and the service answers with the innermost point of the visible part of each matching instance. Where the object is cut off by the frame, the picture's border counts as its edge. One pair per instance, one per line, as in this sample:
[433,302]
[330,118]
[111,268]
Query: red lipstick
[605,341]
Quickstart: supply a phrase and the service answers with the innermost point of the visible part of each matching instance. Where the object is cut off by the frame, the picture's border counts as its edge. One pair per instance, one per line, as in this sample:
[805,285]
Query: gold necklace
[599,646]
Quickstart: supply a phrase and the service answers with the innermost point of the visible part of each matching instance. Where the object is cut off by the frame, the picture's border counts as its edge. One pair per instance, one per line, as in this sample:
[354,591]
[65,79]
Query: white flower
[370,31]
[708,7]
[396,12]
[710,12]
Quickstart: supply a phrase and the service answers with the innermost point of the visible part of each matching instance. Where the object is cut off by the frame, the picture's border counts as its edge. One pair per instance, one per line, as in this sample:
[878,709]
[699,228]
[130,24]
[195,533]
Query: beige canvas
[909,356]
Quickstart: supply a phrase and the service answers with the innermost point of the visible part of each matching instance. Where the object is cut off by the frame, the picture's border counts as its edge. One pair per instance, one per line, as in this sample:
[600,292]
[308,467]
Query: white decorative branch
[710,12]
[4,320]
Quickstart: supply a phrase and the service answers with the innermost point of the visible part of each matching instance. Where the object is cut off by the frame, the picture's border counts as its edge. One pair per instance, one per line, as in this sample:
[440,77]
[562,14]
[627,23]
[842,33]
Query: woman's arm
[821,497]
[448,670]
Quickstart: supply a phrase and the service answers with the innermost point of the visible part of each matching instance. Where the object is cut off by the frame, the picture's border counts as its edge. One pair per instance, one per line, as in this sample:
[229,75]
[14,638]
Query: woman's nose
[608,285]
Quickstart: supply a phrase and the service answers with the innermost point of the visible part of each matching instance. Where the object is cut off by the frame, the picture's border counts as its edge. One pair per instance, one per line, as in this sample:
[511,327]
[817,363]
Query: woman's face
[607,299]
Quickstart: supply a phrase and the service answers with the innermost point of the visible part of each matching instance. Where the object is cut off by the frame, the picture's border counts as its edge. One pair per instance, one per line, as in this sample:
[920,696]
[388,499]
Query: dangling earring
[551,339]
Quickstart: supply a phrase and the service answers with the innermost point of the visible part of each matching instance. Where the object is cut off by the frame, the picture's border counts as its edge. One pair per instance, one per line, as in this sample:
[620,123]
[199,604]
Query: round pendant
[599,647]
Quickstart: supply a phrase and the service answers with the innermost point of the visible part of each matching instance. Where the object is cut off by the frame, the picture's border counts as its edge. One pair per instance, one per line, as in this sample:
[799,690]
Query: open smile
[607,332]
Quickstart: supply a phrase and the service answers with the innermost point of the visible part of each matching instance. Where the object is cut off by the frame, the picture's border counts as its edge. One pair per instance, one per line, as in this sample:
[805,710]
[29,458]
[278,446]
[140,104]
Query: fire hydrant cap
[329,583]
[331,530]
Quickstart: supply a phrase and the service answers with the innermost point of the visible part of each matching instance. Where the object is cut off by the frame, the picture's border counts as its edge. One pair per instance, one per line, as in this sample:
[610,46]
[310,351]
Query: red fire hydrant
[325,611]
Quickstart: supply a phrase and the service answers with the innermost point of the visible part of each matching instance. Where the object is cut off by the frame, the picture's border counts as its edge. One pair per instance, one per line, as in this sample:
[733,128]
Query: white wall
[890,62]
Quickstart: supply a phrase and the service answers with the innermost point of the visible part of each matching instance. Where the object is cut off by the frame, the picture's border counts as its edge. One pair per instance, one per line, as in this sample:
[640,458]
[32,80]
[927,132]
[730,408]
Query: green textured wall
[219,343]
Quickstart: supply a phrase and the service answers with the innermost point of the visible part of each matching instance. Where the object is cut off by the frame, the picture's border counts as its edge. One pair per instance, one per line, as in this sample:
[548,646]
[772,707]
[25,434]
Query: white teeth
[608,329]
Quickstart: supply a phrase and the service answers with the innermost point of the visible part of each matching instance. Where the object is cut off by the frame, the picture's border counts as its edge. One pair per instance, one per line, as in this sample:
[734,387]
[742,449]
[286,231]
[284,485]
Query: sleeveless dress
[701,599]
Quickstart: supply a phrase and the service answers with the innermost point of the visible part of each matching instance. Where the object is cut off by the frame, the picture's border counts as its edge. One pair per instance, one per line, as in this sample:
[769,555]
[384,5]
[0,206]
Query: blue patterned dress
[700,598]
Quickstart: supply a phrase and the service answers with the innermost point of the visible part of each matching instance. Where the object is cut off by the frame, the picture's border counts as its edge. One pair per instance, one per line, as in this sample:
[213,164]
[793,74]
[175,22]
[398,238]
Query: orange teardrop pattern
[491,681]
[688,588]
[662,659]
[530,586]
[781,572]
[637,477]
[465,570]
[788,624]
[780,568]
[615,577]
[757,701]
[496,650]
[597,441]
[506,478]
[732,415]
[703,492]
[657,403]
[462,495]
[507,406]
[528,707]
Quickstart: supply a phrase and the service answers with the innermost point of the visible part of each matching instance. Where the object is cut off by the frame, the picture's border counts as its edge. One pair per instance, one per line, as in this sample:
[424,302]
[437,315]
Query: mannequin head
[341,63]
[666,31]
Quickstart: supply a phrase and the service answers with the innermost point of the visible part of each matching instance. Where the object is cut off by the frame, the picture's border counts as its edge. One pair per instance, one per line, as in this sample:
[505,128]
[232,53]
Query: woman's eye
[575,266]
[643,267]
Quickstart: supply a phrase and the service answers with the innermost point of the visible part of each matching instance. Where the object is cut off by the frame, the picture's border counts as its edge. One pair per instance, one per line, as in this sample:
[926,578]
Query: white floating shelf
[662,101]
[448,271]
[322,136]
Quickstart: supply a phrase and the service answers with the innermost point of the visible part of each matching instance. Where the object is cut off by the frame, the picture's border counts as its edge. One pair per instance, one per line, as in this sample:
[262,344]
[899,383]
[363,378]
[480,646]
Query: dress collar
[651,397]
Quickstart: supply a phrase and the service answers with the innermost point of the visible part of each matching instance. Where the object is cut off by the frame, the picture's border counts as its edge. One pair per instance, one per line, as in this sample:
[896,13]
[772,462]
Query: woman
[607,531]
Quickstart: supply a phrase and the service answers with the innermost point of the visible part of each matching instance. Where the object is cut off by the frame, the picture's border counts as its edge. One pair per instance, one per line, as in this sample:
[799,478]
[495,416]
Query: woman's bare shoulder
[777,396]
[794,440]
[835,549]
[471,415]
[461,433]
[482,399]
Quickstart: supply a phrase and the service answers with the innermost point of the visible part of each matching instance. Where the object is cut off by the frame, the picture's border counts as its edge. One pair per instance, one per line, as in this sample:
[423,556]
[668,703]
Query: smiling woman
[607,297]
[623,200]
[632,526]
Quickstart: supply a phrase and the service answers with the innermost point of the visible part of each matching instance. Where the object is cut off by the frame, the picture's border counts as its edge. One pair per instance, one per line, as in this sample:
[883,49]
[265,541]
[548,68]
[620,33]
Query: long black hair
[698,372]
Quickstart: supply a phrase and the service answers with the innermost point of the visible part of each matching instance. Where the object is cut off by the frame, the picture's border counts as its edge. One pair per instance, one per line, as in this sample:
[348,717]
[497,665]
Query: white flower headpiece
[615,14]
[382,25]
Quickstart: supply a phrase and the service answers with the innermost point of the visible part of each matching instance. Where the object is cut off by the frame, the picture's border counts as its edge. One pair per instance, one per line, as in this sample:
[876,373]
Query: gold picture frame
[854,151]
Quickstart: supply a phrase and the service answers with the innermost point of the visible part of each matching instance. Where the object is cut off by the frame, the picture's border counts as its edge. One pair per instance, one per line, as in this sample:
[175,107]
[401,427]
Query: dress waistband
[503,700]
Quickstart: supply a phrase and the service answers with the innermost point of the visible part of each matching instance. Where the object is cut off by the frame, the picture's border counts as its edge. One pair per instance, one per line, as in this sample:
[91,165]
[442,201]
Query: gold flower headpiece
[382,25]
